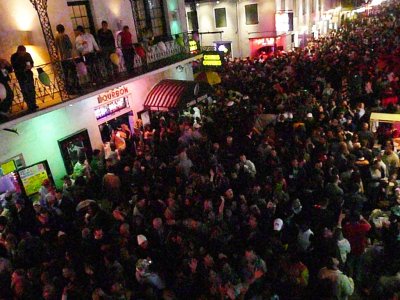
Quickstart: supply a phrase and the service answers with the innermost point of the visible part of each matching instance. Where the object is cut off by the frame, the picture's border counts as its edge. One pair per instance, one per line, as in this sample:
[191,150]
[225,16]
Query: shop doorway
[118,130]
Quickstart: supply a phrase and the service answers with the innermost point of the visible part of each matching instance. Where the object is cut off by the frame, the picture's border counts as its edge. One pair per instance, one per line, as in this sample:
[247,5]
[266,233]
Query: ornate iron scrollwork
[41,8]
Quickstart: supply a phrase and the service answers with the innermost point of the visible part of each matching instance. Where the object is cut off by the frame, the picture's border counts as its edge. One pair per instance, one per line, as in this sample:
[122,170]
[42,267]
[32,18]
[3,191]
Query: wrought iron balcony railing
[87,78]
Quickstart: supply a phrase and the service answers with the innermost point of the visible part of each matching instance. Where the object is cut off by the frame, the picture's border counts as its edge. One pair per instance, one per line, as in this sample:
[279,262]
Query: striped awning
[167,94]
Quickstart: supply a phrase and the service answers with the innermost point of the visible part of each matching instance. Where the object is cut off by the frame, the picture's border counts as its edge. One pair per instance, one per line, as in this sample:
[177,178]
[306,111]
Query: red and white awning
[166,94]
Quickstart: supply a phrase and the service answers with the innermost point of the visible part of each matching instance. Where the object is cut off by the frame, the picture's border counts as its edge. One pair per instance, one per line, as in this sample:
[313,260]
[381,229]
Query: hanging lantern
[43,77]
[180,42]
[114,58]
[81,69]
[3,92]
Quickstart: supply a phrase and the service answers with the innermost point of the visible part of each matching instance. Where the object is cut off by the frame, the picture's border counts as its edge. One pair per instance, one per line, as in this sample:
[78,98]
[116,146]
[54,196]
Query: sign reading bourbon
[113,94]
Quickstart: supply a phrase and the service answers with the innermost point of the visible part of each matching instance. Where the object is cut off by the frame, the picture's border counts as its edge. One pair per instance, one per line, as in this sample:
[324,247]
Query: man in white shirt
[85,42]
[86,45]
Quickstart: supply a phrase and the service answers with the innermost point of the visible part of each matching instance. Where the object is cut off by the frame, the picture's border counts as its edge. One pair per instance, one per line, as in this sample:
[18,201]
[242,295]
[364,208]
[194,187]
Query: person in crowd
[22,63]
[86,45]
[107,45]
[125,43]
[64,49]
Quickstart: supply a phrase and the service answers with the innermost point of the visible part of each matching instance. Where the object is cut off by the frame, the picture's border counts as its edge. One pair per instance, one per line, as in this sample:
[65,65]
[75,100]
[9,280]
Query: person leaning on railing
[107,44]
[125,42]
[64,51]
[22,63]
[5,105]
[87,47]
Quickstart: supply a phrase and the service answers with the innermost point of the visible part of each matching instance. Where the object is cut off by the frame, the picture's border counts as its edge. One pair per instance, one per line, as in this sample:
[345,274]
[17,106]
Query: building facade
[39,134]
[251,26]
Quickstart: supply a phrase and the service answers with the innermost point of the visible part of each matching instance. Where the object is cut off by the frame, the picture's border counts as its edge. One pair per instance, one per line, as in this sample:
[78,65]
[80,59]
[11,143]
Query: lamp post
[41,9]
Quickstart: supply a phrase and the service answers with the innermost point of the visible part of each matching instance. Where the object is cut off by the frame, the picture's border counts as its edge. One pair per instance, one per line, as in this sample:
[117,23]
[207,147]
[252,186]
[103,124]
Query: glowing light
[23,15]
[222,48]
[197,4]
[282,22]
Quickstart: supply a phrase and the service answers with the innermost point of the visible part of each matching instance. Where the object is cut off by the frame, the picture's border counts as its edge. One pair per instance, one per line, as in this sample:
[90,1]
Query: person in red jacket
[355,231]
[125,42]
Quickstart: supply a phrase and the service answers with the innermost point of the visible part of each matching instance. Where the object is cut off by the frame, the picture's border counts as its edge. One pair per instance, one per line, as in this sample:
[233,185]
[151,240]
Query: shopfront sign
[265,42]
[193,46]
[212,58]
[112,107]
[113,94]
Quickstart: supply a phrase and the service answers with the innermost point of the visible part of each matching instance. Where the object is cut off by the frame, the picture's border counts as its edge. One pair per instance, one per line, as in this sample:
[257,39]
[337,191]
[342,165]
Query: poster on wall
[74,147]
[33,176]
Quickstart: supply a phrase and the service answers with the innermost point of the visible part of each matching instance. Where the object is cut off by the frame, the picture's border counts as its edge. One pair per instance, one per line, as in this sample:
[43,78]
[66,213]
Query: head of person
[60,28]
[21,49]
[104,25]
[125,28]
[79,30]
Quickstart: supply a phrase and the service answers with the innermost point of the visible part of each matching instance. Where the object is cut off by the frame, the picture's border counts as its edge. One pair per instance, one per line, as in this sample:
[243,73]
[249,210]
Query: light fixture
[197,4]
[217,1]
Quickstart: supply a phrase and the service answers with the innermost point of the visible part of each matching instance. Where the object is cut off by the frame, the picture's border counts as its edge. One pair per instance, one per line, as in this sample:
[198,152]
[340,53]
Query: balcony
[50,93]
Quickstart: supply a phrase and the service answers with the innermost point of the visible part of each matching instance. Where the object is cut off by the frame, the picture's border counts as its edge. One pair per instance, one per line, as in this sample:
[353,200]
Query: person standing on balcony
[5,105]
[107,44]
[87,46]
[22,63]
[126,44]
[64,50]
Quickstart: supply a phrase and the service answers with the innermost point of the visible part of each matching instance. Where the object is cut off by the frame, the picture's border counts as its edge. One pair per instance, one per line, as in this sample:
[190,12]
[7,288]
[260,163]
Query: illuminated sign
[112,94]
[8,167]
[193,46]
[111,108]
[33,177]
[264,42]
[212,59]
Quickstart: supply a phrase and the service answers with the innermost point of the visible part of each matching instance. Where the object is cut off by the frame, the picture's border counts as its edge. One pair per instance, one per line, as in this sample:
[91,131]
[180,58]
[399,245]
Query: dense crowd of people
[278,189]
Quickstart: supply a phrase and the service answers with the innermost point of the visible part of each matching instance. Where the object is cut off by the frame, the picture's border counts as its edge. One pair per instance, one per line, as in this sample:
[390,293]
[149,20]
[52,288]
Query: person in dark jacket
[22,63]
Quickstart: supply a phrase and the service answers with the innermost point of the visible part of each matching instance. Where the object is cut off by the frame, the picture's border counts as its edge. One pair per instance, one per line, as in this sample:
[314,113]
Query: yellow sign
[32,178]
[192,46]
[8,167]
[212,59]
[212,63]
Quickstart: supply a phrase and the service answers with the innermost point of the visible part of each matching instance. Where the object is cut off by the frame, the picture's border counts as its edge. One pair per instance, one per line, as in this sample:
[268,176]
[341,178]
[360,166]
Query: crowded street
[280,184]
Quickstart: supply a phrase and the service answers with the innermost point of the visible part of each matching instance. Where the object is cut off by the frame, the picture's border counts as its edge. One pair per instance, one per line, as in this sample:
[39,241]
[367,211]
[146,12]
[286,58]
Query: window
[220,17]
[283,5]
[150,16]
[193,24]
[251,14]
[80,14]
[304,7]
